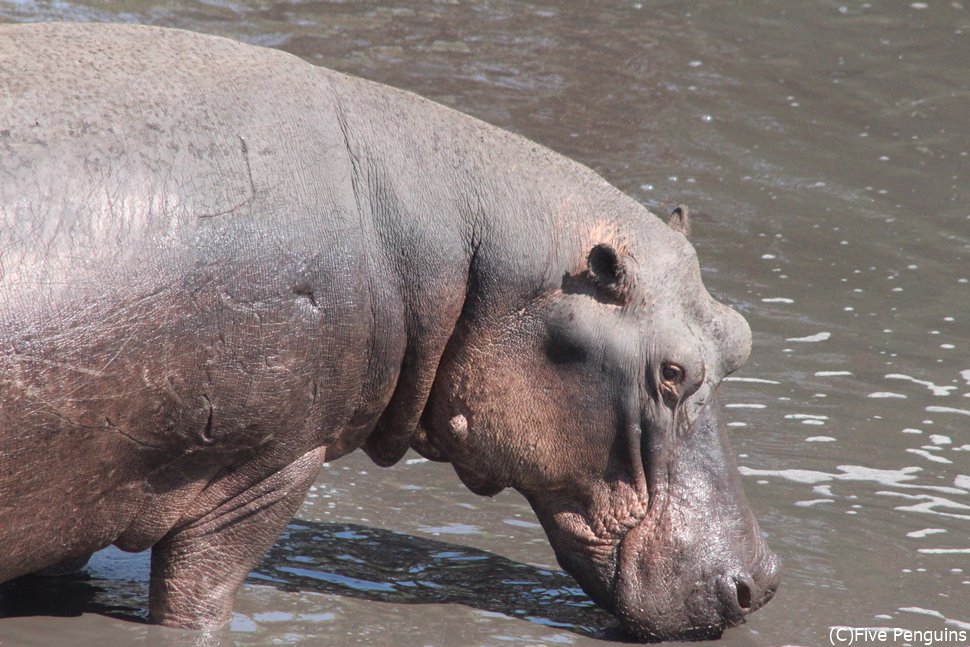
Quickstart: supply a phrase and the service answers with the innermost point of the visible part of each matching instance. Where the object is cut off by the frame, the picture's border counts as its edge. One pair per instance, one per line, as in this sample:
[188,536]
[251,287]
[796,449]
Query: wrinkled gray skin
[221,266]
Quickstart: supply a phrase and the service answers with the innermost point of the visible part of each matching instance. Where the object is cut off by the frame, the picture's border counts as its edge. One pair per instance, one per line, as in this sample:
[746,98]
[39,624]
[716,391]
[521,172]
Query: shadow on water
[73,595]
[345,560]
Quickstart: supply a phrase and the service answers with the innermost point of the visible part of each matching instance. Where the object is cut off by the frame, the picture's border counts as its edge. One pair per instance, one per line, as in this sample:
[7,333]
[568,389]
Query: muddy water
[824,149]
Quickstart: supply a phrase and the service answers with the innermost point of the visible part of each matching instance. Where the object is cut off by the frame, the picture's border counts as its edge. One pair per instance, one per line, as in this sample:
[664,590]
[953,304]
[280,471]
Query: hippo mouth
[654,601]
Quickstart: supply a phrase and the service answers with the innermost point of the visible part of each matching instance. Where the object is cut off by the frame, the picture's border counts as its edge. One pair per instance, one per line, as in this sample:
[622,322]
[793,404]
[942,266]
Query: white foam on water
[930,457]
[820,439]
[777,300]
[910,430]
[929,504]
[811,502]
[832,373]
[741,405]
[811,339]
[750,380]
[935,409]
[795,475]
[886,395]
[936,614]
[940,439]
[824,490]
[945,551]
[805,416]
[962,481]
[936,389]
[737,424]
[965,374]
[925,532]
[891,478]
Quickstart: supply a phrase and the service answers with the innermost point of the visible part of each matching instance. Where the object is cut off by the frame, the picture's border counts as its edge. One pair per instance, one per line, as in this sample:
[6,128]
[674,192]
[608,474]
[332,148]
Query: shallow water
[823,149]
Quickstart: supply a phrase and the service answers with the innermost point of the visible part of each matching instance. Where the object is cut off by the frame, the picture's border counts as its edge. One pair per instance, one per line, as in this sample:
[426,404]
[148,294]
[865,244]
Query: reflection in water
[337,559]
[386,566]
[73,595]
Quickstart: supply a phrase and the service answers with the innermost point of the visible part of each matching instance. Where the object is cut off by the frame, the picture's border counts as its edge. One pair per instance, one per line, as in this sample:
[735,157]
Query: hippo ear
[609,271]
[679,220]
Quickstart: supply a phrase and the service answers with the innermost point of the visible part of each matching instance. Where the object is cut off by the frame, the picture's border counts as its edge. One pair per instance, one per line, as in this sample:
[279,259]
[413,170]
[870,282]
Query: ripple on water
[936,614]
[750,380]
[452,529]
[945,551]
[891,478]
[807,418]
[936,409]
[931,504]
[811,339]
[936,389]
[925,532]
[928,456]
[812,502]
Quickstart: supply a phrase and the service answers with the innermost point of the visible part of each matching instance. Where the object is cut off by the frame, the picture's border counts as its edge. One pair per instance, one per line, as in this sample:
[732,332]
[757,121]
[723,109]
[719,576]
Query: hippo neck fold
[469,221]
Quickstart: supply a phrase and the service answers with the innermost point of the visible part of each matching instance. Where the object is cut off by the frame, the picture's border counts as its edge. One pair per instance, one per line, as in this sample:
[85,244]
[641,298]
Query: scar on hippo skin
[458,427]
[305,291]
[680,220]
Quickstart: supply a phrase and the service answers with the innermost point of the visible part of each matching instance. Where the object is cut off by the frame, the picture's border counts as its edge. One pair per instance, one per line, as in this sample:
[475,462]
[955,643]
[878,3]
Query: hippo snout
[662,605]
[697,563]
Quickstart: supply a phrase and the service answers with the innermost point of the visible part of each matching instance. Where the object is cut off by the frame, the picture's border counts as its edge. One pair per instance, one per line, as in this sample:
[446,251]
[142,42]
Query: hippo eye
[672,374]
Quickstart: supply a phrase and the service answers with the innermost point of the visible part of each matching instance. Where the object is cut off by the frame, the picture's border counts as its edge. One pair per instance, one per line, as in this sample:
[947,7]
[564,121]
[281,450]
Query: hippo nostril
[738,597]
[744,593]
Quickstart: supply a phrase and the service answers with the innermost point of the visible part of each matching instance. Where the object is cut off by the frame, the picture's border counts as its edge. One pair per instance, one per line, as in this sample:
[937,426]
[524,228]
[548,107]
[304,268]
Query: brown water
[824,148]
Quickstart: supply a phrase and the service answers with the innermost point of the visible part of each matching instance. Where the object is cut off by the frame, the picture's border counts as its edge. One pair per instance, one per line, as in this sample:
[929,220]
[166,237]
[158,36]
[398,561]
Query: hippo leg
[197,568]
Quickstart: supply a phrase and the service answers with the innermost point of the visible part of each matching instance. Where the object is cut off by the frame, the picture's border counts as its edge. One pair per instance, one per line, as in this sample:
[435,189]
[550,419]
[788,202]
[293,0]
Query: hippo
[221,267]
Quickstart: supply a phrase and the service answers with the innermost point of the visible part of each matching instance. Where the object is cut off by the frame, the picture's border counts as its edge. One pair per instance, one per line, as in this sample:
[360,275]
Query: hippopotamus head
[597,398]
